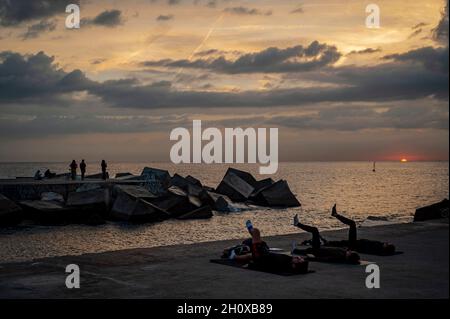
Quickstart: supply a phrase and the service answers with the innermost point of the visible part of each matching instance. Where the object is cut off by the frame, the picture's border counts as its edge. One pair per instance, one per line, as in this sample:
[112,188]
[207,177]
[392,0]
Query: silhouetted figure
[38,175]
[49,174]
[260,256]
[104,167]
[83,169]
[73,170]
[324,254]
[363,246]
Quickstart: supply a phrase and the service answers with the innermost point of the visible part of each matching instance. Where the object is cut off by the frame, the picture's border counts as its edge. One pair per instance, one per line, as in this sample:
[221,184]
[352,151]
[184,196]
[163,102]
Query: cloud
[440,32]
[246,11]
[419,25]
[355,118]
[364,51]
[271,60]
[15,12]
[165,17]
[215,52]
[108,18]
[97,61]
[37,29]
[432,58]
[209,52]
[37,79]
[416,32]
[48,125]
[298,10]
[403,115]
[173,2]
[211,4]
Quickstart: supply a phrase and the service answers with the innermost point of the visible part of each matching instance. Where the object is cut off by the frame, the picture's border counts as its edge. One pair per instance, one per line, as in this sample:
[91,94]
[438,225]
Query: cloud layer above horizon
[138,69]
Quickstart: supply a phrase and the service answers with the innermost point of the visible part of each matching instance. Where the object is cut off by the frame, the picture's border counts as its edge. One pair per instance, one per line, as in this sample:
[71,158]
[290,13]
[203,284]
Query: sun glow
[404,160]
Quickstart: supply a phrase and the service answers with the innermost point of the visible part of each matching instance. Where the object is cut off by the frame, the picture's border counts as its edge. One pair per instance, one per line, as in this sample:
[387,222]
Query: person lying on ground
[324,254]
[260,257]
[363,246]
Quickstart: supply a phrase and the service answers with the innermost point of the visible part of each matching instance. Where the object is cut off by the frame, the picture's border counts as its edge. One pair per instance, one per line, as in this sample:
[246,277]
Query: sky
[135,70]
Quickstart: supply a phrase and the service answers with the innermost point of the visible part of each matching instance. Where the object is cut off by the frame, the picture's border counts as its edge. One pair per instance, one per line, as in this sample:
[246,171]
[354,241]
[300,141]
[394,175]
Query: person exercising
[263,259]
[324,254]
[363,246]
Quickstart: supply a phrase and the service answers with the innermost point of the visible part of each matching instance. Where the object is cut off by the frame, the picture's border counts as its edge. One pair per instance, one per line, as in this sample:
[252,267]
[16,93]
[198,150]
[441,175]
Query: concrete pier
[29,189]
[185,271]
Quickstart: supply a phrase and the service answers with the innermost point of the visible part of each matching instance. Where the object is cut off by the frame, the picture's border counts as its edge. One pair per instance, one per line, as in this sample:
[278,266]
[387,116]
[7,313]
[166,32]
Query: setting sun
[403,160]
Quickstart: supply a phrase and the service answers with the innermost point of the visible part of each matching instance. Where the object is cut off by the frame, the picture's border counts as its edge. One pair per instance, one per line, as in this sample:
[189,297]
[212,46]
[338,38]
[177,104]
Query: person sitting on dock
[83,169]
[363,246]
[263,259]
[324,254]
[73,170]
[48,174]
[104,173]
[38,175]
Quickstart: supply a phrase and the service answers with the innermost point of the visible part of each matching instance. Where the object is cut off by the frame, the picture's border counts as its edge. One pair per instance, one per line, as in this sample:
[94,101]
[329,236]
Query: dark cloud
[108,18]
[365,51]
[48,125]
[208,52]
[336,118]
[97,61]
[37,29]
[173,2]
[164,17]
[271,60]
[246,11]
[35,78]
[356,118]
[387,82]
[433,58]
[211,4]
[440,32]
[416,32]
[215,52]
[14,12]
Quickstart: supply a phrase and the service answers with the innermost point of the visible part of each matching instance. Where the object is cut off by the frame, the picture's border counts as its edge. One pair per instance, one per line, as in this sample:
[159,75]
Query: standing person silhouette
[73,170]
[83,169]
[104,167]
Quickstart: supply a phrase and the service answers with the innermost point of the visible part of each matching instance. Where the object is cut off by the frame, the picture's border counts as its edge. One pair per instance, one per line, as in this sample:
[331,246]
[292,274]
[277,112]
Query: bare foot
[334,211]
[296,222]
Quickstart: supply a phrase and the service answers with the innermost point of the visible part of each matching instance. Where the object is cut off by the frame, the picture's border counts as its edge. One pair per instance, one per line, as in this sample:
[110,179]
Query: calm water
[394,191]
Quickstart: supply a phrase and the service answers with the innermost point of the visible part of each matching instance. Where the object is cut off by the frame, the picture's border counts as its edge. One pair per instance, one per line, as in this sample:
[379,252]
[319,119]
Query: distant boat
[374,167]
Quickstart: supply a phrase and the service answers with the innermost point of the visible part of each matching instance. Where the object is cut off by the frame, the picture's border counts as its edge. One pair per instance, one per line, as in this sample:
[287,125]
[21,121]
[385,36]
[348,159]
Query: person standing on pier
[83,169]
[104,173]
[73,170]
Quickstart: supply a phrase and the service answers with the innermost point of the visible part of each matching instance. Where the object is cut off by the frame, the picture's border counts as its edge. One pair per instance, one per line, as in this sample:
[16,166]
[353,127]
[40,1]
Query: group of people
[74,166]
[256,253]
[73,171]
[47,174]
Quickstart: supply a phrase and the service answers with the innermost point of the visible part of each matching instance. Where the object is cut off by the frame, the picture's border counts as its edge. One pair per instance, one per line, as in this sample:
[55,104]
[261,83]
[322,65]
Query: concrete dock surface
[184,271]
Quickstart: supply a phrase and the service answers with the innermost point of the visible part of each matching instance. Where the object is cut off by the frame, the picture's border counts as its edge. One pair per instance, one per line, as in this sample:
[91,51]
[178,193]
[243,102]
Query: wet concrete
[185,271]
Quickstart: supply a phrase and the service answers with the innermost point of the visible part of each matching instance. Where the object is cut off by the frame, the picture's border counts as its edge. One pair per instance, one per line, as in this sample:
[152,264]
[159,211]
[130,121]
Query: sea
[391,194]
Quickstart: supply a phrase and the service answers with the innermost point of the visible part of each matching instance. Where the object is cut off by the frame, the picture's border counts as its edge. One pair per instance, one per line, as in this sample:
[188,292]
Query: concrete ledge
[185,271]
[18,190]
